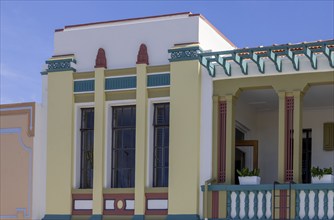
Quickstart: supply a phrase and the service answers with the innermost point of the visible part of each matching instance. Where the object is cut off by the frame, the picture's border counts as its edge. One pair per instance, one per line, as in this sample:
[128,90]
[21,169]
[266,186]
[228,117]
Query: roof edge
[122,20]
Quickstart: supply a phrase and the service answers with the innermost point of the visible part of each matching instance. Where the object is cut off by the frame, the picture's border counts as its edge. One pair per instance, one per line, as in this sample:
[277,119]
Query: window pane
[123,145]
[87,147]
[161,145]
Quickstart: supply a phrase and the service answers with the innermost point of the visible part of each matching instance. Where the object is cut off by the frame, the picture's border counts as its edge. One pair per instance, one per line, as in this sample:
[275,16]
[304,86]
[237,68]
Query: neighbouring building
[22,162]
[149,118]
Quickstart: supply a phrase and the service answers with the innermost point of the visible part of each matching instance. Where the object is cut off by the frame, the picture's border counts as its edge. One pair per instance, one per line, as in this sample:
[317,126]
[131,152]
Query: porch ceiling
[318,96]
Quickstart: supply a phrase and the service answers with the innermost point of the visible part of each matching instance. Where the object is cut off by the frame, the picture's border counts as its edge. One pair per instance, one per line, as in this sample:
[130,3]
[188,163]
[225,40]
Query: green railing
[308,201]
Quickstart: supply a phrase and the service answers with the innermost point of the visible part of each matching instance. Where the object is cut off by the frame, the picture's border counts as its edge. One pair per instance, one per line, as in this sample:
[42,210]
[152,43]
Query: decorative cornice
[184,53]
[142,57]
[58,65]
[274,54]
[101,60]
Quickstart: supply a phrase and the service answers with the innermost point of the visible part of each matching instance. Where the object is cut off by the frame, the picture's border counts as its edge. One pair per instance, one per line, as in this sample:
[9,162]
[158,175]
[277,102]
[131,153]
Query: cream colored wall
[314,119]
[59,143]
[184,145]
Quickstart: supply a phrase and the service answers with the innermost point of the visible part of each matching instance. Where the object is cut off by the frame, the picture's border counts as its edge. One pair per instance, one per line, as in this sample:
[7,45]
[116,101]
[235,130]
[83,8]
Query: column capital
[59,64]
[184,52]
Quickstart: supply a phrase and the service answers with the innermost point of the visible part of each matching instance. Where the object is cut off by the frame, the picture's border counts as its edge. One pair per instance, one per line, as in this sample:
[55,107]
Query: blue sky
[27,29]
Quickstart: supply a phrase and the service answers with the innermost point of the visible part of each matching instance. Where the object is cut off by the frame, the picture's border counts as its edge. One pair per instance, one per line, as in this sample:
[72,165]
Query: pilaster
[297,136]
[99,125]
[59,135]
[184,146]
[141,139]
[230,138]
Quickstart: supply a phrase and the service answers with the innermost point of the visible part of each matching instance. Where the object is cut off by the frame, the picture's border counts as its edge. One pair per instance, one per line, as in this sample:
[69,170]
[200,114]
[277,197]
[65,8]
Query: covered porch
[270,107]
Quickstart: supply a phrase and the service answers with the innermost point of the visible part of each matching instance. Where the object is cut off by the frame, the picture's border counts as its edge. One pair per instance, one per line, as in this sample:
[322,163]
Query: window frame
[155,146]
[77,142]
[109,105]
[150,137]
[122,128]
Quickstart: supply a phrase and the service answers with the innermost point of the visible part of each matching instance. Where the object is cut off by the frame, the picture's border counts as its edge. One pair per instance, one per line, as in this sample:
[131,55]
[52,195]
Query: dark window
[87,143]
[161,145]
[123,147]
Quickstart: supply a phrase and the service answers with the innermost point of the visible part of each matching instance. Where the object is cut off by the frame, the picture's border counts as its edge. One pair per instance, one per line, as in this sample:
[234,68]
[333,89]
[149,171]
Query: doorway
[306,155]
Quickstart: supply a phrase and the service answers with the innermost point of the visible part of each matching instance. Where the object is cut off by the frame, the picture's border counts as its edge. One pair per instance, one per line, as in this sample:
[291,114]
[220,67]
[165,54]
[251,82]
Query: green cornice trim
[117,83]
[57,217]
[138,217]
[222,187]
[84,85]
[257,55]
[185,53]
[183,217]
[96,217]
[59,65]
[155,80]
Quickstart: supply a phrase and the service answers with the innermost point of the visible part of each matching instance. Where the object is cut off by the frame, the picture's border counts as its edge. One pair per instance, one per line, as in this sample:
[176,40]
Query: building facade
[149,118]
[22,162]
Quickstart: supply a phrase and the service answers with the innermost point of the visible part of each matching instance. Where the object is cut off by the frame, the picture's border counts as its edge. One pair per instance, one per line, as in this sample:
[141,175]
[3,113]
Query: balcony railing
[269,201]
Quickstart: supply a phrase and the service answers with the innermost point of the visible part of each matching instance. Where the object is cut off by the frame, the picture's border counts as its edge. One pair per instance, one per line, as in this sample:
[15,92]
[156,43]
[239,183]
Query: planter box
[328,178]
[249,180]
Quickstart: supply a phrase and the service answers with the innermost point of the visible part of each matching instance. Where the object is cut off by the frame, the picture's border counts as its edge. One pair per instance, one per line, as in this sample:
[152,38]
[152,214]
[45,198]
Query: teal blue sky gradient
[27,29]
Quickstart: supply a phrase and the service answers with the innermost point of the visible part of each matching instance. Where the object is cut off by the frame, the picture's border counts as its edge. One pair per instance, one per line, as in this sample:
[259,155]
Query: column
[99,143]
[230,139]
[59,138]
[297,136]
[141,142]
[184,145]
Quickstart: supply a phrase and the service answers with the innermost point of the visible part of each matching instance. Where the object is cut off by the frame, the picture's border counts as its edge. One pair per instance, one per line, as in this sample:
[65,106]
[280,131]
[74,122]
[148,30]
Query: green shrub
[246,172]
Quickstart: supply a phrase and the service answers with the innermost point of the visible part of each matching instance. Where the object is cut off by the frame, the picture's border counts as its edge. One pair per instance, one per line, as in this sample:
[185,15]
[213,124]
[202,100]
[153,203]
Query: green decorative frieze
[257,55]
[182,54]
[158,80]
[84,85]
[60,65]
[118,83]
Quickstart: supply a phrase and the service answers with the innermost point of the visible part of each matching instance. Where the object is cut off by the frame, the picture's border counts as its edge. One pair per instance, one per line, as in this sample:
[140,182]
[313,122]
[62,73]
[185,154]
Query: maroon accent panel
[152,196]
[81,197]
[101,60]
[289,105]
[142,57]
[283,204]
[221,142]
[117,198]
[215,204]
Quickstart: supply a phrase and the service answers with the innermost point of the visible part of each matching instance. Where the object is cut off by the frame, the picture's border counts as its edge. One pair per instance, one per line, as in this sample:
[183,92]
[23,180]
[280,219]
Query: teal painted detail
[138,217]
[297,204]
[60,65]
[264,204]
[246,204]
[158,80]
[127,82]
[229,204]
[57,217]
[307,200]
[84,85]
[316,201]
[325,204]
[96,217]
[237,201]
[183,54]
[256,193]
[274,53]
[329,52]
[183,217]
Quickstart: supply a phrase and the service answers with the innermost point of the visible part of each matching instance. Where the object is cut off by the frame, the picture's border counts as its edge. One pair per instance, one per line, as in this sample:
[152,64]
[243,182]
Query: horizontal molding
[57,217]
[154,80]
[120,83]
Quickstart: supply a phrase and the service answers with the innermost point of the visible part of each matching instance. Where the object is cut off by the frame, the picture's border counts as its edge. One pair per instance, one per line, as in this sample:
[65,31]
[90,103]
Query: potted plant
[247,177]
[322,175]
